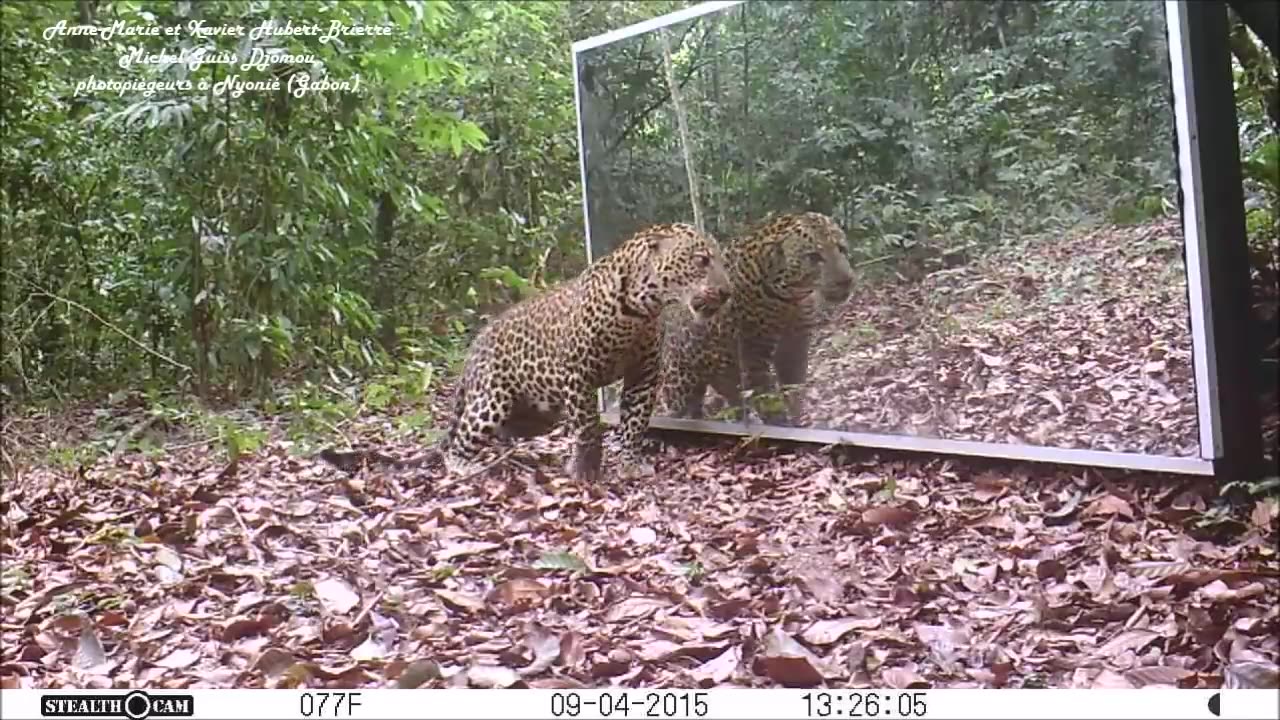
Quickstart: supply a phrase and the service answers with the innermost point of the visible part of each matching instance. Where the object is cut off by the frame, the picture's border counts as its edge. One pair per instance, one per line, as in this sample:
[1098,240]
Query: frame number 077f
[328,704]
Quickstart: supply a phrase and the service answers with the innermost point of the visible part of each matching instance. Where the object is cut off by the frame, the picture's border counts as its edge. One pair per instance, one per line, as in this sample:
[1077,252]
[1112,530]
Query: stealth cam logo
[136,705]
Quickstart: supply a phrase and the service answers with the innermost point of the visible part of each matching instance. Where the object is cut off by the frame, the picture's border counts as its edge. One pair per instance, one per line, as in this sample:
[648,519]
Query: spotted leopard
[542,361]
[782,276]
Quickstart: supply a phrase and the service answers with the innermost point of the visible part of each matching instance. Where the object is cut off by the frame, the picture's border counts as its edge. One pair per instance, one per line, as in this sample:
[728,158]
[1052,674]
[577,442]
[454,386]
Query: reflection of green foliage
[965,124]
[729,413]
[769,403]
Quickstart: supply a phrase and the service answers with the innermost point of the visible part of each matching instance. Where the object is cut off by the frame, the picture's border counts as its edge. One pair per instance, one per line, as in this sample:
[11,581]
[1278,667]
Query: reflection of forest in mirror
[1005,173]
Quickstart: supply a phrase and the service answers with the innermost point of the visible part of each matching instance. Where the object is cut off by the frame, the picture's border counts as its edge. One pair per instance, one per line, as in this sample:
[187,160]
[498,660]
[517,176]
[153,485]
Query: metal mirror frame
[1217,269]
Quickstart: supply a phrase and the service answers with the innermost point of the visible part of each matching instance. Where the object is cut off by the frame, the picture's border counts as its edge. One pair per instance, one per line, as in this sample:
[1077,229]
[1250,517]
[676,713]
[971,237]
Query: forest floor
[137,554]
[1077,340]
[741,564]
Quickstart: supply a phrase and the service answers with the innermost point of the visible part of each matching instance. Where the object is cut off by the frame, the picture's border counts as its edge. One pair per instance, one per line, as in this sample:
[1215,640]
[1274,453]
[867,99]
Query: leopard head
[678,264]
[809,255]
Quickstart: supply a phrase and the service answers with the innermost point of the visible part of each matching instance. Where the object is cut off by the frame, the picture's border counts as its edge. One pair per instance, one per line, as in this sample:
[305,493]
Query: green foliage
[221,241]
[236,243]
[694,571]
[240,440]
[886,492]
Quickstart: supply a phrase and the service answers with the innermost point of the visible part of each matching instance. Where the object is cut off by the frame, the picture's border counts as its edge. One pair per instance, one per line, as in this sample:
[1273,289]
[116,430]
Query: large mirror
[1006,178]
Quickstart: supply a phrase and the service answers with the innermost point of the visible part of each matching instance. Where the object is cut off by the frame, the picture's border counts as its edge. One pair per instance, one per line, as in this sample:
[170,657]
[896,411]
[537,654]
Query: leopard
[541,362]
[785,276]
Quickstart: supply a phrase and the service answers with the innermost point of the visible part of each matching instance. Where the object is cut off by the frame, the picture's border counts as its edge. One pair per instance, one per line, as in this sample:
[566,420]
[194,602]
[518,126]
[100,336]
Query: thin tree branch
[112,327]
[683,126]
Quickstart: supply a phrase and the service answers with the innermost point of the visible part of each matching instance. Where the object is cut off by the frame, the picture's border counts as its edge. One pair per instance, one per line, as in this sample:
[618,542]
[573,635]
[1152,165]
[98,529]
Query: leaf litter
[731,567]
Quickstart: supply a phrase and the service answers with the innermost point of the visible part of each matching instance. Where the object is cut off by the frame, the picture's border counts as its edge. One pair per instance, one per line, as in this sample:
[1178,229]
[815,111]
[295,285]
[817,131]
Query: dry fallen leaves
[788,662]
[753,567]
[336,595]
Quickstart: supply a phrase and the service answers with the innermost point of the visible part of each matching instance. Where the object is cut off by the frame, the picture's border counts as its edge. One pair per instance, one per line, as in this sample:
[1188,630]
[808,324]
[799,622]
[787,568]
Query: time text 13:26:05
[867,704]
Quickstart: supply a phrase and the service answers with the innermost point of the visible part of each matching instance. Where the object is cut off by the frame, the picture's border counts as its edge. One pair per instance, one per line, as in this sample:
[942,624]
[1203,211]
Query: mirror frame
[1217,269]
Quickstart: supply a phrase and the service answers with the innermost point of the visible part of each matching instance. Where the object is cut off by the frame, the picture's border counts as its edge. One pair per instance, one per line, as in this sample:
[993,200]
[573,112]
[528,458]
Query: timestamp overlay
[725,703]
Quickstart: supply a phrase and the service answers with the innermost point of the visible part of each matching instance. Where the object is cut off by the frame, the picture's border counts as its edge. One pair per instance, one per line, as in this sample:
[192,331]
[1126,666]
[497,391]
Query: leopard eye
[815,257]
[704,260]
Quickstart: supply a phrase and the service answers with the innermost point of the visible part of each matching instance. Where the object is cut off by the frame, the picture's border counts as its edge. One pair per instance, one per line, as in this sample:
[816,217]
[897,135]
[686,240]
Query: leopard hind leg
[483,414]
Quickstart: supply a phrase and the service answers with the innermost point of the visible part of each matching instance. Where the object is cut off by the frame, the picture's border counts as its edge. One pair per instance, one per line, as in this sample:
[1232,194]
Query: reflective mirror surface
[1004,177]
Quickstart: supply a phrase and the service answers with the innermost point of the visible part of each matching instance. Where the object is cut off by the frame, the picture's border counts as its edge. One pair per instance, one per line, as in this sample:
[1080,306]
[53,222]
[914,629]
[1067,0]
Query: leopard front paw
[457,468]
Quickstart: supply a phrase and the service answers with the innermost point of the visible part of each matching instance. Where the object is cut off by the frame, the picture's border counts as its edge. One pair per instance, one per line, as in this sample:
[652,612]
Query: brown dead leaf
[656,650]
[417,673]
[556,683]
[336,596]
[634,607]
[178,659]
[1219,591]
[89,653]
[1134,640]
[827,632]
[545,647]
[718,669]
[1253,675]
[492,676]
[822,586]
[241,628]
[518,592]
[273,662]
[678,627]
[787,662]
[1157,675]
[1265,513]
[572,649]
[1109,505]
[888,516]
[902,678]
[643,536]
[461,601]
[1051,569]
[1111,680]
[988,487]
[464,549]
